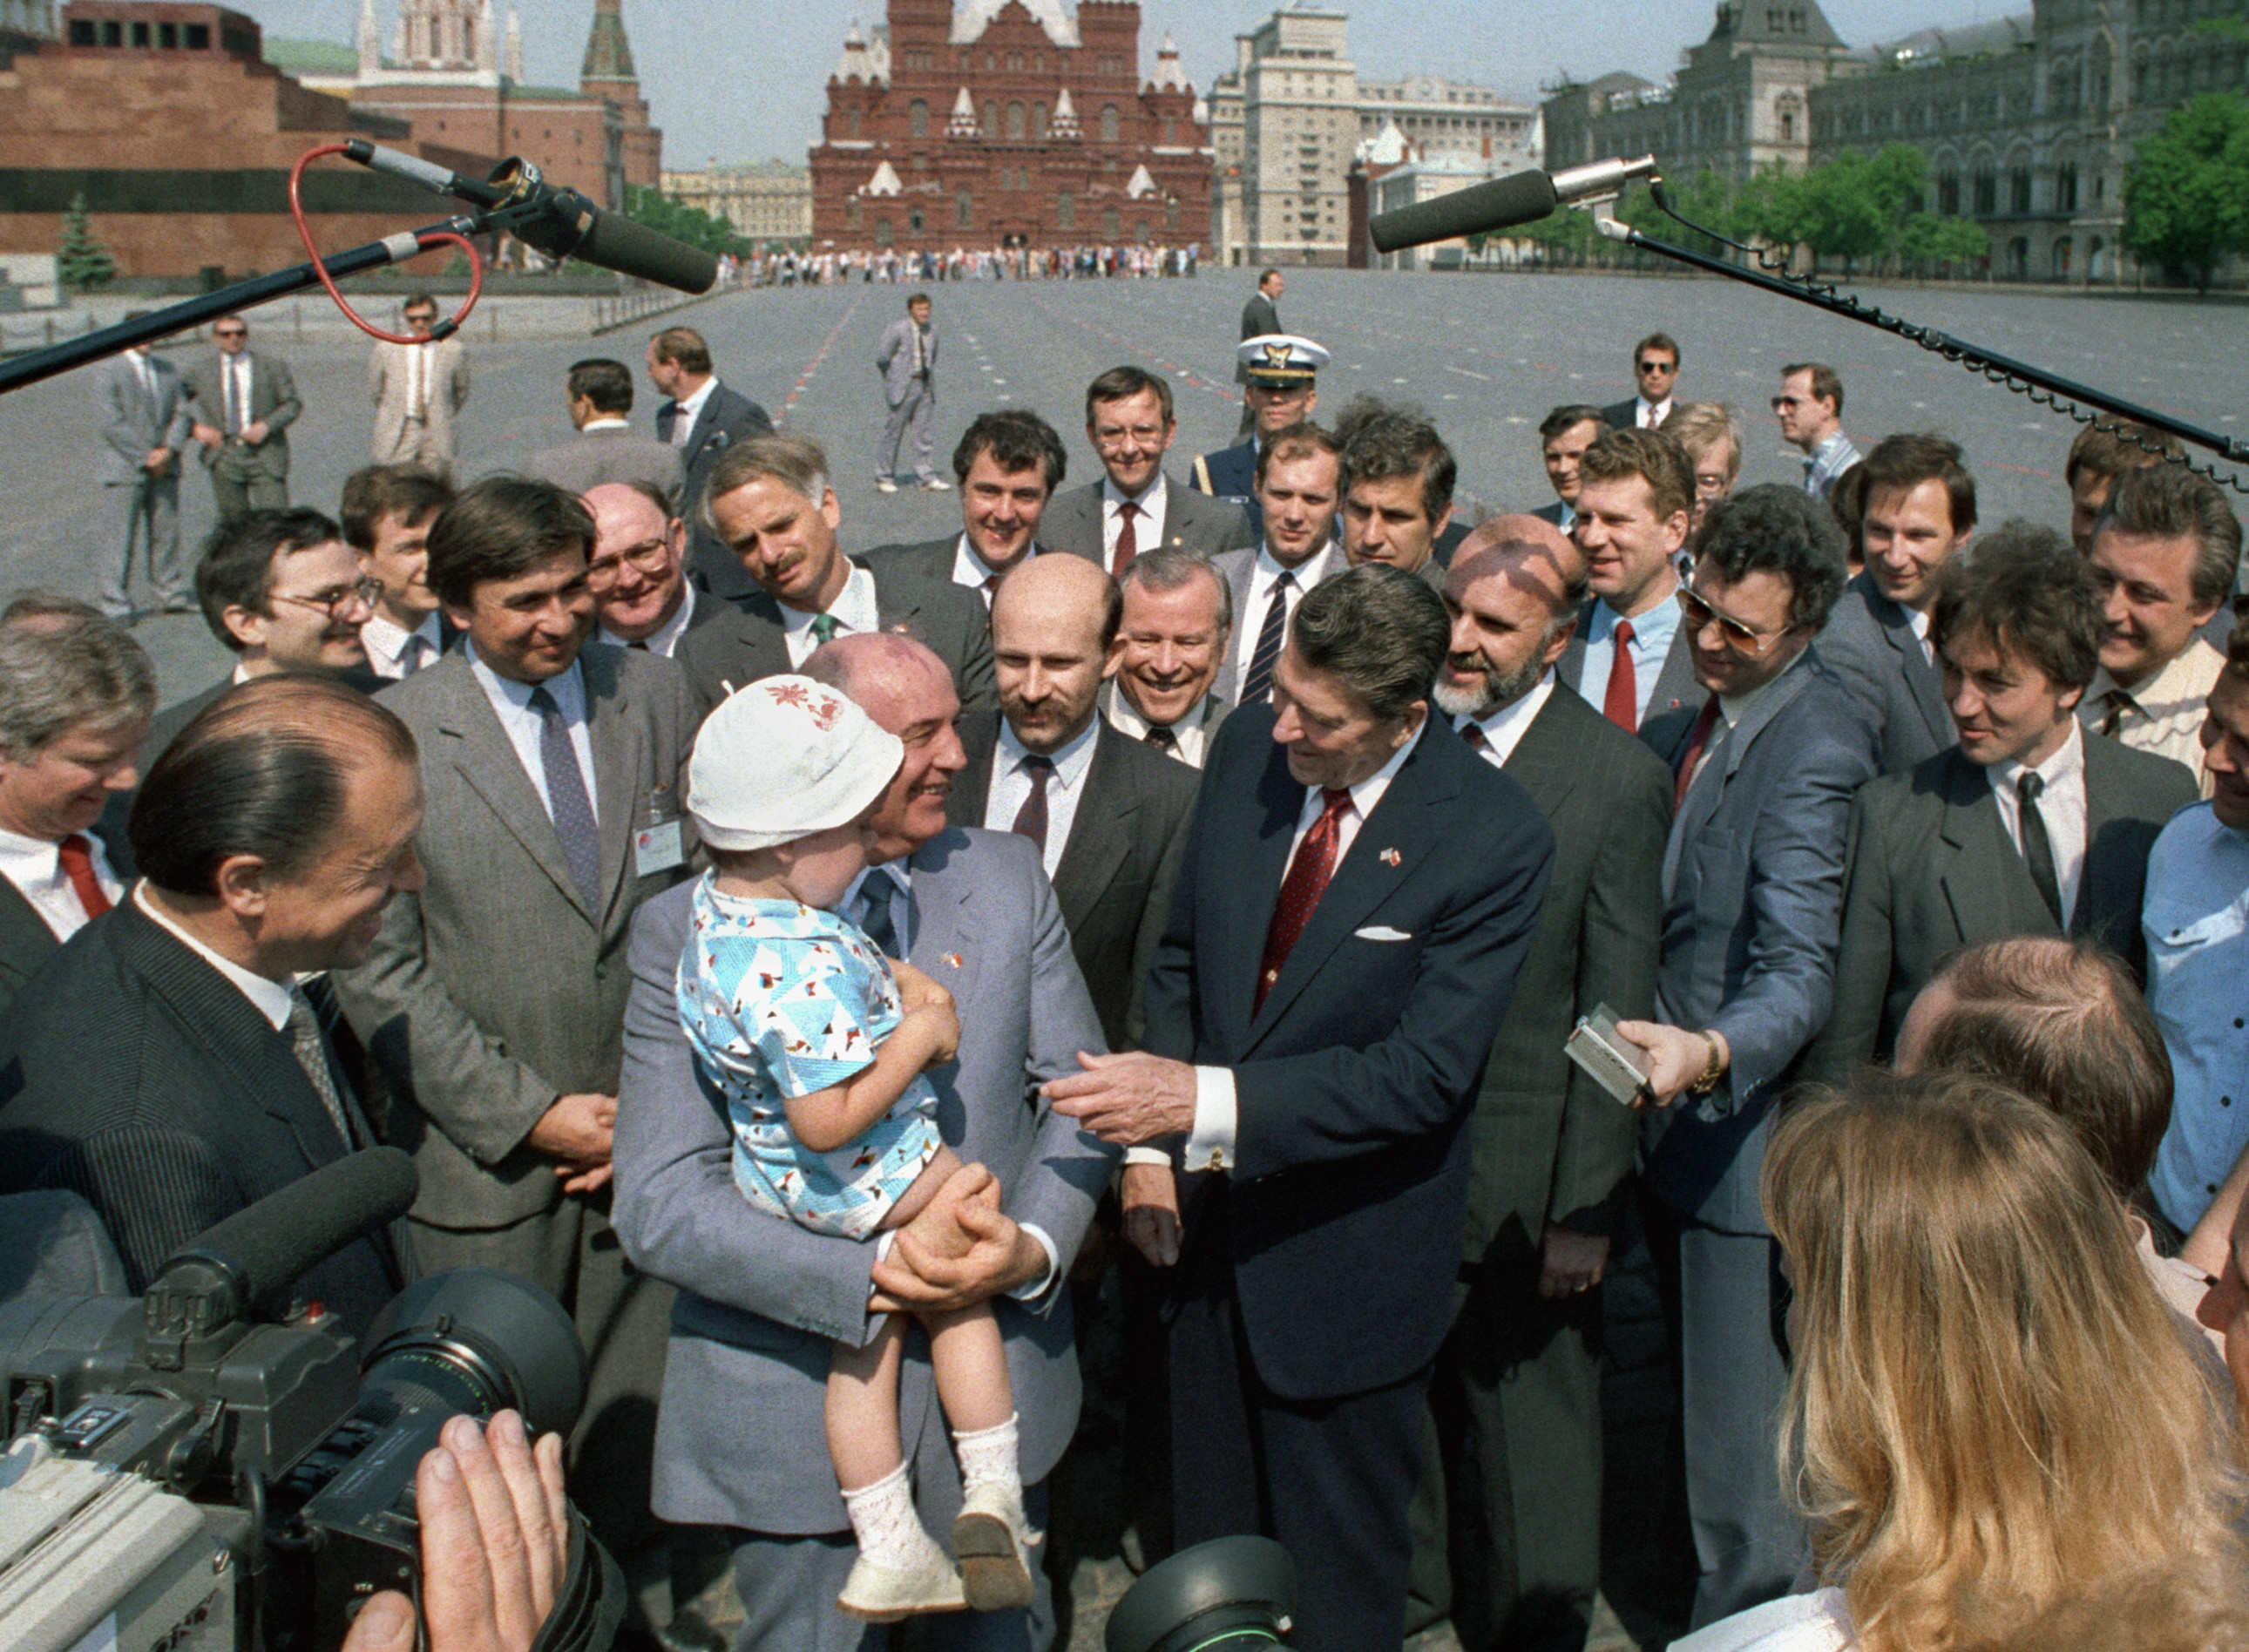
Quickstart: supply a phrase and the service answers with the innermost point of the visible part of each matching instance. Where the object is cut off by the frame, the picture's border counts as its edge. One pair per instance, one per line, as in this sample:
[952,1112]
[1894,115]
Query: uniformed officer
[1283,390]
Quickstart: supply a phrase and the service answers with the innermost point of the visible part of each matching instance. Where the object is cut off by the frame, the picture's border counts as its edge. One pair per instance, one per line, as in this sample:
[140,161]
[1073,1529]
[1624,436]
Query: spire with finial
[483,44]
[608,55]
[514,64]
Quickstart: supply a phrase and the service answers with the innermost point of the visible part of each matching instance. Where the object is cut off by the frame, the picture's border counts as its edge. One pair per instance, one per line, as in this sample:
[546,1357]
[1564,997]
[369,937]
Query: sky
[745,80]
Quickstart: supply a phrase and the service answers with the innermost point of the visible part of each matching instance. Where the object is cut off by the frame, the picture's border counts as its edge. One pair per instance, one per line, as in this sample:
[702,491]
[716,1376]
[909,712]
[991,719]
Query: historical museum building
[1008,123]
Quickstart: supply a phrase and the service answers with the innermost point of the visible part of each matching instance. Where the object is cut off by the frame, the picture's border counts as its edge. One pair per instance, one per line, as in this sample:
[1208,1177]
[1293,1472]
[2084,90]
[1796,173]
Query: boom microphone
[1521,197]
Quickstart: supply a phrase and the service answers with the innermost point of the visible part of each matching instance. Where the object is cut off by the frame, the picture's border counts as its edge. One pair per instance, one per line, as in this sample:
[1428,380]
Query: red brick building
[1009,122]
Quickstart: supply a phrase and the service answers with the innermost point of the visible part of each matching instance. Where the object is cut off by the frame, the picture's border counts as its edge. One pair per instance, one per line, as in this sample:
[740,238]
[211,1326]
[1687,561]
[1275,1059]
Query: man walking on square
[907,360]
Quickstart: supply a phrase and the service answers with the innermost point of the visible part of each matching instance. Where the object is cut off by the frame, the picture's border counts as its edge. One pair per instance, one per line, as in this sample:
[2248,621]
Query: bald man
[1109,814]
[1516,1392]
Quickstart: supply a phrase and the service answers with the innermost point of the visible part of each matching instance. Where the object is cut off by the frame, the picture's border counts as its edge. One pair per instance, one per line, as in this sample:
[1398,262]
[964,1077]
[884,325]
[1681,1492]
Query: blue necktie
[875,913]
[567,802]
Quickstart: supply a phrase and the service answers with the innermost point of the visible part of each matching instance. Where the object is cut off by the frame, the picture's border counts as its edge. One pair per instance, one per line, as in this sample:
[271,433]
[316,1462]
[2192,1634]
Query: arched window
[1039,120]
[1110,225]
[1065,210]
[917,118]
[1109,123]
[915,223]
[851,213]
[992,118]
[852,124]
[1018,127]
[1171,213]
[964,210]
[883,234]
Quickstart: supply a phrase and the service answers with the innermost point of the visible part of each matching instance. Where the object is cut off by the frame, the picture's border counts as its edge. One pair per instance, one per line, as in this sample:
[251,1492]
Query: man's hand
[1128,1099]
[158,462]
[254,433]
[577,1132]
[1150,1195]
[1574,1261]
[495,1544]
[1677,1056]
[930,1269]
[209,435]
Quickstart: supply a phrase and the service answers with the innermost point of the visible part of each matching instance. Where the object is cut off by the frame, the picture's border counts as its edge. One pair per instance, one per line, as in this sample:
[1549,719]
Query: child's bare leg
[901,1570]
[992,1536]
[862,1408]
[971,1368]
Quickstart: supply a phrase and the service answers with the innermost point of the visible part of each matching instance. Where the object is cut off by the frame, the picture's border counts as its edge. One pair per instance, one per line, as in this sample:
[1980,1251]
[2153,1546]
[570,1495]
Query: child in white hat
[818,1045]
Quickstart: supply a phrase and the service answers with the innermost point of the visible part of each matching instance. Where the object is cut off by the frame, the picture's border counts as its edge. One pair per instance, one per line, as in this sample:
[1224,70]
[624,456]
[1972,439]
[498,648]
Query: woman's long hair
[1991,1411]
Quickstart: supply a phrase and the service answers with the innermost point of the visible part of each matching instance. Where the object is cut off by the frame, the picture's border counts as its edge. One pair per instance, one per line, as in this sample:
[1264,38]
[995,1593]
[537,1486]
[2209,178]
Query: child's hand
[917,988]
[940,1024]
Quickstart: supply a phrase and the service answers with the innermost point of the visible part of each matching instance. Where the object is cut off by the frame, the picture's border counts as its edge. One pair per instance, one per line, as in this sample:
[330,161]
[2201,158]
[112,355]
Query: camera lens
[478,1340]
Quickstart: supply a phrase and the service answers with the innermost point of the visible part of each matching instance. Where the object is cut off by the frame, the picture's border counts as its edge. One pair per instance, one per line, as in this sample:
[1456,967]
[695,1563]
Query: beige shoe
[992,1542]
[885,1594]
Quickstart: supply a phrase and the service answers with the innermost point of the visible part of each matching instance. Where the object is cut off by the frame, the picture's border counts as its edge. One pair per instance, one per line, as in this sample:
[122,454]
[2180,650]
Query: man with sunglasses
[1763,774]
[245,402]
[418,390]
[642,597]
[283,592]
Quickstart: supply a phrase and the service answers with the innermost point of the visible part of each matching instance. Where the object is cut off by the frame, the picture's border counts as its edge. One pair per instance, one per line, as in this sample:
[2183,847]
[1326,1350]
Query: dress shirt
[686,410]
[1065,787]
[1650,414]
[1731,709]
[1568,515]
[1829,460]
[35,866]
[270,998]
[386,644]
[511,703]
[1503,729]
[853,609]
[1651,645]
[144,370]
[1916,620]
[1264,573]
[666,636]
[971,570]
[1210,1145]
[417,382]
[1147,528]
[2164,715]
[2196,918]
[2061,805]
[1191,733]
[234,389]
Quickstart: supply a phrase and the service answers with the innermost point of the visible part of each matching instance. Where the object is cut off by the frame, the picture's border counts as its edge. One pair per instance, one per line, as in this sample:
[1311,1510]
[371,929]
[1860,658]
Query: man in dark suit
[1282,389]
[1398,477]
[245,402]
[1655,369]
[601,398]
[2030,826]
[771,500]
[643,598]
[1630,659]
[1173,638]
[1337,1018]
[1134,506]
[1008,464]
[1260,317]
[385,514]
[1299,479]
[1514,1485]
[1564,435]
[493,1000]
[76,694]
[1920,512]
[164,1063]
[1109,814]
[701,417]
[1752,889]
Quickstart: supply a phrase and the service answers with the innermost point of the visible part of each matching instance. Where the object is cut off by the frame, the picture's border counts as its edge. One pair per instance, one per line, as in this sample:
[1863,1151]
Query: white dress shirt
[1916,620]
[418,381]
[607,422]
[511,703]
[234,389]
[1011,787]
[1503,729]
[853,609]
[666,636]
[1191,735]
[2196,918]
[1652,633]
[1264,573]
[2061,805]
[971,570]
[386,645]
[1147,528]
[35,866]
[270,998]
[687,410]
[1650,414]
[2161,714]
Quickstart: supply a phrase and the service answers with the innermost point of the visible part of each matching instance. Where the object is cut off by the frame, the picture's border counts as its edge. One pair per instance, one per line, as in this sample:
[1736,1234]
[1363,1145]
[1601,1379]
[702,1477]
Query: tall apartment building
[764,200]
[1300,124]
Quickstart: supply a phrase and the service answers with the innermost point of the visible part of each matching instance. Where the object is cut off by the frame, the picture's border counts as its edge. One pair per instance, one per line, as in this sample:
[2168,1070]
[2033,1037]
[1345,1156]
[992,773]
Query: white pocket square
[1380,931]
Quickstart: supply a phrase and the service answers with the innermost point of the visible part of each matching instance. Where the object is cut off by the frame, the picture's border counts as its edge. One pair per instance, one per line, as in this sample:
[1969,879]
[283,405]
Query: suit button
[602,971]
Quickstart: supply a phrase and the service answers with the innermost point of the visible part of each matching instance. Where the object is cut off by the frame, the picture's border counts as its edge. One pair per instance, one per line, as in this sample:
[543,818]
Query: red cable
[428,239]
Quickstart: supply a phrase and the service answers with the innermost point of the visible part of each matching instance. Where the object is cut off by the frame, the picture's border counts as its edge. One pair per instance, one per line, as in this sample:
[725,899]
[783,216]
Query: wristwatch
[1712,1071]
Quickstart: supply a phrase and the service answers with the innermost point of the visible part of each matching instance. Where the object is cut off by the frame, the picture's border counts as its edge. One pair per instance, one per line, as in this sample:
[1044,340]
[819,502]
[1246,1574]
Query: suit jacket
[1237,568]
[1868,643]
[495,989]
[929,561]
[612,454]
[726,416]
[1114,879]
[135,1075]
[273,398]
[1932,869]
[738,1437]
[1551,1145]
[1231,474]
[894,358]
[740,646]
[1675,688]
[1752,916]
[1553,513]
[165,726]
[389,387]
[1622,416]
[134,424]
[1259,318]
[26,943]
[1192,522]
[1355,1078]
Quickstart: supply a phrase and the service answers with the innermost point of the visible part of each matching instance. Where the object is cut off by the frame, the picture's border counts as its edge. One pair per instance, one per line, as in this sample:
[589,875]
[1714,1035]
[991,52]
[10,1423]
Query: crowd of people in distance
[1129,954]
[1085,262]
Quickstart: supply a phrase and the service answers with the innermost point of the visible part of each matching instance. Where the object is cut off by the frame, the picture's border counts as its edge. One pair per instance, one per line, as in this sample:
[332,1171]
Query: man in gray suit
[770,499]
[1008,464]
[2031,825]
[493,1000]
[144,422]
[1752,891]
[1920,512]
[1630,659]
[1171,639]
[739,1442]
[1299,478]
[1135,508]
[600,392]
[1513,1483]
[245,402]
[907,360]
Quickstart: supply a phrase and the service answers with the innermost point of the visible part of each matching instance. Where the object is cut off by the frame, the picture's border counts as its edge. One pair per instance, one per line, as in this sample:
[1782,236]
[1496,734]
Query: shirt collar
[1650,631]
[1309,573]
[1126,716]
[1071,762]
[969,566]
[1503,728]
[1368,792]
[661,640]
[2067,764]
[2179,679]
[898,873]
[272,999]
[1150,499]
[613,424]
[853,607]
[386,640]
[1734,707]
[691,407]
[1834,443]
[567,687]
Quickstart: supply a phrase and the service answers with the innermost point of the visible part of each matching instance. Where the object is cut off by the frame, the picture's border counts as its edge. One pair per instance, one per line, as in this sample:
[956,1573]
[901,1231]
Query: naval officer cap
[1281,358]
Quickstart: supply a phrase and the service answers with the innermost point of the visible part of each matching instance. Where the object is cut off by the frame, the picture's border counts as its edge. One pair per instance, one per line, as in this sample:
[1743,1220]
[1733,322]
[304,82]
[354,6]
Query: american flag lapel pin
[952,960]
[1390,857]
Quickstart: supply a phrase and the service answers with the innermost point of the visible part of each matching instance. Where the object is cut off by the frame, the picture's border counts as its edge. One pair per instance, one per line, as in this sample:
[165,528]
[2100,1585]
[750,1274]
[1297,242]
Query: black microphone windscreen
[618,243]
[281,1235]
[1521,197]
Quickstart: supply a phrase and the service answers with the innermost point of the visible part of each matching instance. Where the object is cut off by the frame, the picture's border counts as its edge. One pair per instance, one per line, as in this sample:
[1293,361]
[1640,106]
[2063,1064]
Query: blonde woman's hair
[1991,1411]
[1701,426]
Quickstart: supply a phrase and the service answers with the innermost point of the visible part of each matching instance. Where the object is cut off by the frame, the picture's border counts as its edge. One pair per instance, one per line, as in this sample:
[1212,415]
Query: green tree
[81,262]
[1854,208]
[2186,194]
[1925,238]
[697,229]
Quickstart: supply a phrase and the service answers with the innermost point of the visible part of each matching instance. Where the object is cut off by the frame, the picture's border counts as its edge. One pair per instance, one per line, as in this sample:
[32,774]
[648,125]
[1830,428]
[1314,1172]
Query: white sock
[987,1457]
[889,1532]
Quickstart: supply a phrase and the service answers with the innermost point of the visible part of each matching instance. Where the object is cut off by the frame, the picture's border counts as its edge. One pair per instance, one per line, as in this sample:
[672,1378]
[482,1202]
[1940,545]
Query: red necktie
[1695,744]
[1031,818]
[1309,871]
[1127,541]
[1620,704]
[78,865]
[1479,742]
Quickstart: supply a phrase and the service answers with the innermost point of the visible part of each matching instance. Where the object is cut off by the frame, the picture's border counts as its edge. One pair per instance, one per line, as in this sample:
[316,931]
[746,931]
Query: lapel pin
[952,960]
[1390,857]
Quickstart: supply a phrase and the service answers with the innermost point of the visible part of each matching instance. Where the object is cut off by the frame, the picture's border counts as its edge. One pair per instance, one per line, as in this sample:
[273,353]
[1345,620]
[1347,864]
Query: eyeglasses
[650,557]
[230,332]
[419,319]
[1781,404]
[341,597]
[1745,640]
[1109,439]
